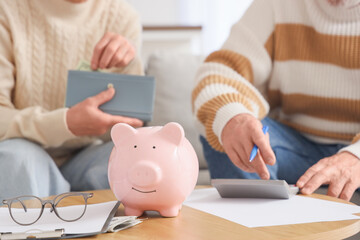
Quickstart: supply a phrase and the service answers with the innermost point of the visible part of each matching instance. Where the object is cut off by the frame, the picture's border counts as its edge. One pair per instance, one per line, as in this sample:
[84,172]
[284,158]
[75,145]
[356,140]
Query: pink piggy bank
[152,168]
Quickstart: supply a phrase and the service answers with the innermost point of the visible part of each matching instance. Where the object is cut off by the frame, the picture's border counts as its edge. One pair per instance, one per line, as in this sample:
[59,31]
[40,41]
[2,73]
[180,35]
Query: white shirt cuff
[224,114]
[353,148]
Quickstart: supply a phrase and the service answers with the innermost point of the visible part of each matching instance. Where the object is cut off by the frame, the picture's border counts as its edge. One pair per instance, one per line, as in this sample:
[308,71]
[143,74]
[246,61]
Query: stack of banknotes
[123,222]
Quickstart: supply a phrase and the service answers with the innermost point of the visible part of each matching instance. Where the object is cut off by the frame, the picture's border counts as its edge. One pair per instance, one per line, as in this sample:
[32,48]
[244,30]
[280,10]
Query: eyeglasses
[27,210]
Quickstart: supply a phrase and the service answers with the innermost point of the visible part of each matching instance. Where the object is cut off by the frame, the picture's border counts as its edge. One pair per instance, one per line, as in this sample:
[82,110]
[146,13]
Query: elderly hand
[86,119]
[239,136]
[113,50]
[341,171]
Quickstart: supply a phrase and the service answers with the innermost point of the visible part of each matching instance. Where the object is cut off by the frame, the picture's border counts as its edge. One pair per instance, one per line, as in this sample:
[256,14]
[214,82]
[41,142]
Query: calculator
[254,188]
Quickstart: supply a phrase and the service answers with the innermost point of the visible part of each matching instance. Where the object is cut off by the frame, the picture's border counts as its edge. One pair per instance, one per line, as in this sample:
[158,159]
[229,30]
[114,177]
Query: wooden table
[194,224]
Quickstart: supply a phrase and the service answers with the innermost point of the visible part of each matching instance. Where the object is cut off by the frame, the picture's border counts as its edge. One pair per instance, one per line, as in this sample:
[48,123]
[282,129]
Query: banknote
[123,222]
[85,66]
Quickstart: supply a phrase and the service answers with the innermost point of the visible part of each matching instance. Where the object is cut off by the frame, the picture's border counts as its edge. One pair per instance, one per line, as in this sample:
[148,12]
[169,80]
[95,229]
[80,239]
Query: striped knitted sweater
[40,40]
[296,59]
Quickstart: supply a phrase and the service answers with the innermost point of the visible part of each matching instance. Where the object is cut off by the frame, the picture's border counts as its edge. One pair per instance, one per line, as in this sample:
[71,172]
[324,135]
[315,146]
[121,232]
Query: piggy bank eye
[154,147]
[135,146]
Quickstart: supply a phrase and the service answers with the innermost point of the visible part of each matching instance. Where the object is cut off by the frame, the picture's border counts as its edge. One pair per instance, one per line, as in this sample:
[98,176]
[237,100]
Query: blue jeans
[88,169]
[294,155]
[26,168]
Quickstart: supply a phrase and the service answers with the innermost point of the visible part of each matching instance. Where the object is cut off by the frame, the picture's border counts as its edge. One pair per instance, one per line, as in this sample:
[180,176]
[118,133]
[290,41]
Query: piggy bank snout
[145,174]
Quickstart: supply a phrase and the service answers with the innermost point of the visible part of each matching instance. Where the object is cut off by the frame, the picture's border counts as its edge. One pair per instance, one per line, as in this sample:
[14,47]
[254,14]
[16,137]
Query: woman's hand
[86,119]
[113,50]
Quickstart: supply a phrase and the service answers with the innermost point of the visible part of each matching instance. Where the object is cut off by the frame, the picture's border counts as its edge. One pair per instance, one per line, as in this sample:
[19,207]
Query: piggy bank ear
[121,132]
[173,132]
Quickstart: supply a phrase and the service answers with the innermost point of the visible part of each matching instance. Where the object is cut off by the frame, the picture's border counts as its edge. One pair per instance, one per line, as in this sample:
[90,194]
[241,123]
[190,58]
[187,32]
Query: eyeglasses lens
[68,212]
[25,210]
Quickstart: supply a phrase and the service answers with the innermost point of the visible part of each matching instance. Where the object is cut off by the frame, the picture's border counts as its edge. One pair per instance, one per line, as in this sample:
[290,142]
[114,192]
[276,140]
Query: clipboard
[33,234]
[57,233]
[134,96]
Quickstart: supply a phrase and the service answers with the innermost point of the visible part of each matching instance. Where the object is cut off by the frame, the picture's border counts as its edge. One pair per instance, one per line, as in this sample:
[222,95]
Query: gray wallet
[134,95]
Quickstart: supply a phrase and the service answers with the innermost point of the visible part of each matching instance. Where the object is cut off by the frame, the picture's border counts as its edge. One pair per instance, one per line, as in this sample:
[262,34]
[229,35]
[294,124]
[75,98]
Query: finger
[103,97]
[243,151]
[315,182]
[336,187]
[260,167]
[128,58]
[348,190]
[119,57]
[134,122]
[244,157]
[263,143]
[130,55]
[98,50]
[236,159]
[271,158]
[309,174]
[109,52]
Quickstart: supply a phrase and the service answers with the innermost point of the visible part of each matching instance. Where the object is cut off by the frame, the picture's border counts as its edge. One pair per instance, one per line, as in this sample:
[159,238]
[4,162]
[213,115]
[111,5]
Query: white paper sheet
[92,221]
[252,212]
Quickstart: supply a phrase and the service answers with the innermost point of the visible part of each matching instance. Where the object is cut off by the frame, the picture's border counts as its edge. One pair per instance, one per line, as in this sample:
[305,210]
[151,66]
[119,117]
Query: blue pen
[255,148]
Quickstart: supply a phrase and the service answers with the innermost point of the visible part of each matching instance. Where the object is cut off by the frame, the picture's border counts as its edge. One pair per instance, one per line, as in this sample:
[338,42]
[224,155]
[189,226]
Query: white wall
[216,16]
[158,12]
[219,16]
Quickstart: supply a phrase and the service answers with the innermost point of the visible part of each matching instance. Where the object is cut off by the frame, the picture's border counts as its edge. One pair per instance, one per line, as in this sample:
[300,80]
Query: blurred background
[198,26]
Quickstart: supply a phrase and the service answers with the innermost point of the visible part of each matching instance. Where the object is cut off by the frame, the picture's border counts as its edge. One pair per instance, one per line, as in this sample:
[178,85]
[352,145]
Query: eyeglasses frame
[53,203]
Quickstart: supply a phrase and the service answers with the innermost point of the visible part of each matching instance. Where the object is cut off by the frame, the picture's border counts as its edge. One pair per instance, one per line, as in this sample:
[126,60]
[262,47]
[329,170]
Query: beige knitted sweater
[40,40]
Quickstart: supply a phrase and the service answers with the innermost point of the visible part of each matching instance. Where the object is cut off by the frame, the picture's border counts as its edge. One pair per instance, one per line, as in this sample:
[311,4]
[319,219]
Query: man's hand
[239,136]
[113,50]
[86,119]
[341,171]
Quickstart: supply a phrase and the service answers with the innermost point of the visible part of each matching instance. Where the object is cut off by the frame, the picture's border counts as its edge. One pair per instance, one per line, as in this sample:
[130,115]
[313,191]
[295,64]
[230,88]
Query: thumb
[104,96]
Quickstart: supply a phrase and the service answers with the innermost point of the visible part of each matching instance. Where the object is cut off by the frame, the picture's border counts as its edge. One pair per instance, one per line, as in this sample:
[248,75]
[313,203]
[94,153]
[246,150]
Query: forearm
[230,80]
[34,123]
[218,98]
